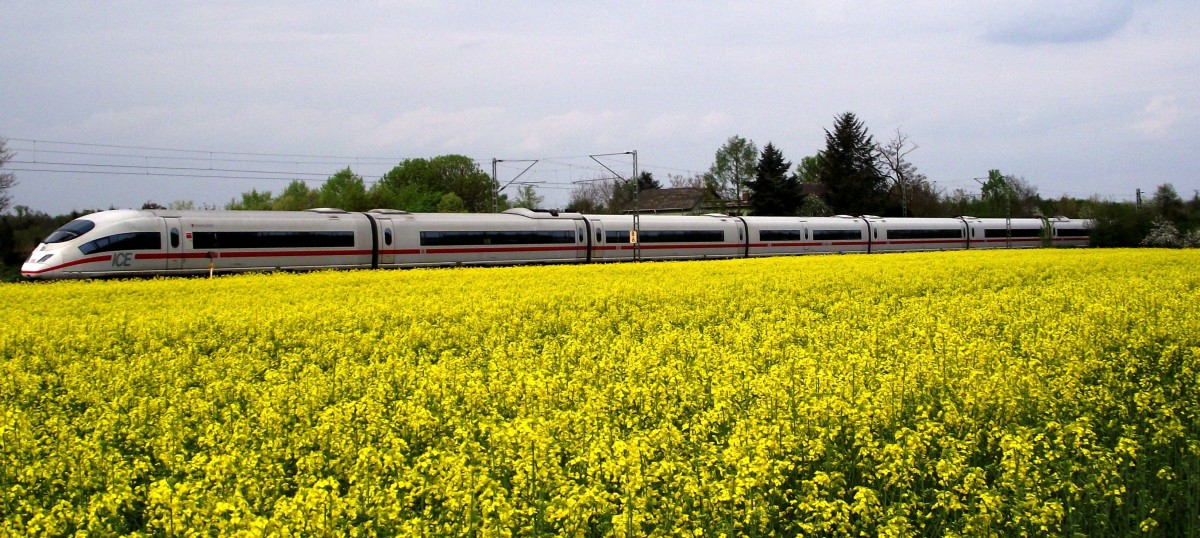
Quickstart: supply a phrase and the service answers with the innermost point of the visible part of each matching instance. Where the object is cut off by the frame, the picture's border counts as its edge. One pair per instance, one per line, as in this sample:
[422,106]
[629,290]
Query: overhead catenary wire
[338,158]
[566,173]
[166,170]
[165,174]
[140,160]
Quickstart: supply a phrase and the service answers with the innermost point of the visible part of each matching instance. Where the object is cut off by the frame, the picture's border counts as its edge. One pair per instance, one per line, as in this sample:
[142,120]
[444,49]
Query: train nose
[38,264]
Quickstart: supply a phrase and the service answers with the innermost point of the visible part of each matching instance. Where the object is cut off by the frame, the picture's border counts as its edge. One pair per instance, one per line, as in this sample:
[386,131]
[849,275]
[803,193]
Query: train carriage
[1066,232]
[663,237]
[144,242]
[1004,233]
[909,234]
[269,240]
[102,243]
[514,236]
[784,236]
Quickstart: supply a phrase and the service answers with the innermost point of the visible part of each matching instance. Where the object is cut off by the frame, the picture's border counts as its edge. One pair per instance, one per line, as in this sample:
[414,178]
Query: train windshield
[70,231]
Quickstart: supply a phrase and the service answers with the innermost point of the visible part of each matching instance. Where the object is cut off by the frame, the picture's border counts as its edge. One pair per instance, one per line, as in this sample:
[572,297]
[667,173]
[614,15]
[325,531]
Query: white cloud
[578,127]
[1160,114]
[668,126]
[427,130]
[1062,21]
[266,127]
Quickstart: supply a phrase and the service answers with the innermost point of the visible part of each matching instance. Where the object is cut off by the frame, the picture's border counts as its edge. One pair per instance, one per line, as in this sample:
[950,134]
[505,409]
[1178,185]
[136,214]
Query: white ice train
[164,242]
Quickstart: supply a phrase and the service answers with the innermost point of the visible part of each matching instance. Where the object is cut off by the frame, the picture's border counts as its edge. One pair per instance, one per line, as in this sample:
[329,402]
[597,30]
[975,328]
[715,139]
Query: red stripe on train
[81,261]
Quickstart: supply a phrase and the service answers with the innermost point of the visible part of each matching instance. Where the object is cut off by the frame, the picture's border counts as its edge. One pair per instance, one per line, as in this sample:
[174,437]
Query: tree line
[443,184]
[855,175]
[852,175]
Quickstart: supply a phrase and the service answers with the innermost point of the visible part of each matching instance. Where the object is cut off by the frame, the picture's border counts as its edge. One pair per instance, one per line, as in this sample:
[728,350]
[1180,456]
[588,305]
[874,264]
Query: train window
[780,235]
[616,237]
[496,237]
[926,233]
[1016,232]
[125,241]
[387,237]
[599,238]
[272,239]
[836,235]
[681,236]
[174,238]
[1072,232]
[70,231]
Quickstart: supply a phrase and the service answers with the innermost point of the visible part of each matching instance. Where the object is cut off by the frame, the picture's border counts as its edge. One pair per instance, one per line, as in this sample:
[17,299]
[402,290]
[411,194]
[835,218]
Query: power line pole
[496,183]
[637,210]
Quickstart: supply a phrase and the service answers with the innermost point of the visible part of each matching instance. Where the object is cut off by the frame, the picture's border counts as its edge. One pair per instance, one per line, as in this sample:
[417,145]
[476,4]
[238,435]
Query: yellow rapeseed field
[1042,392]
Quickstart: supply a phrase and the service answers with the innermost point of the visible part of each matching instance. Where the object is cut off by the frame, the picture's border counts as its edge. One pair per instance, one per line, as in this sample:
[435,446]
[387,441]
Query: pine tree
[646,181]
[850,169]
[773,191]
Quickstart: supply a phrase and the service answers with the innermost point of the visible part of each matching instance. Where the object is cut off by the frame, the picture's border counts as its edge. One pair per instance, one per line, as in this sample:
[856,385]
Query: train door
[599,245]
[581,242]
[387,241]
[405,250]
[174,243]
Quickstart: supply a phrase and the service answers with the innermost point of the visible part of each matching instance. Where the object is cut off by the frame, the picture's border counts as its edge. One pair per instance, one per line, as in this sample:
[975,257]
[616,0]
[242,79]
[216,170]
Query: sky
[117,104]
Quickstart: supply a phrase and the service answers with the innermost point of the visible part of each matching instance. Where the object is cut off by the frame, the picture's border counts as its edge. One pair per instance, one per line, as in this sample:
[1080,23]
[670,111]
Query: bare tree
[898,170]
[685,182]
[592,195]
[7,179]
[1025,197]
[1009,196]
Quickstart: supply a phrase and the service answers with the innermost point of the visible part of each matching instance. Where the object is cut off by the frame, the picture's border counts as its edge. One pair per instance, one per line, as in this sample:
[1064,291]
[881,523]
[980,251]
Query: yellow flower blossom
[1044,392]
